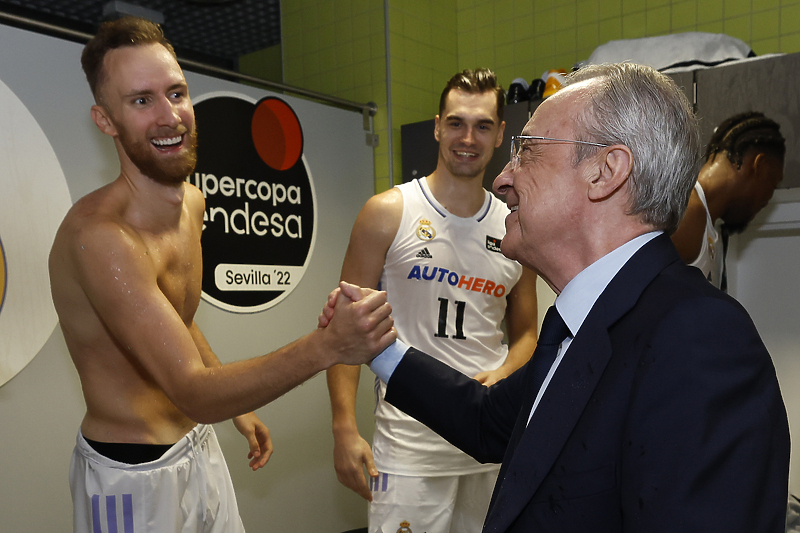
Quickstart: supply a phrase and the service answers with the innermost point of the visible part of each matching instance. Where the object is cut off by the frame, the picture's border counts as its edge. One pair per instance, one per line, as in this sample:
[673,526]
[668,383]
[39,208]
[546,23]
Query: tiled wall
[423,44]
[526,38]
[338,47]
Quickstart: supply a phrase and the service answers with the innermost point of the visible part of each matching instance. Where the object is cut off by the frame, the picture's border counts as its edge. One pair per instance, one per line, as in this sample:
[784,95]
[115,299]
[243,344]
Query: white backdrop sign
[33,201]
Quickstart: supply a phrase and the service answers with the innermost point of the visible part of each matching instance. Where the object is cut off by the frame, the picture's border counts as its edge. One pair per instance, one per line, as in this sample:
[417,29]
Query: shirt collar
[581,293]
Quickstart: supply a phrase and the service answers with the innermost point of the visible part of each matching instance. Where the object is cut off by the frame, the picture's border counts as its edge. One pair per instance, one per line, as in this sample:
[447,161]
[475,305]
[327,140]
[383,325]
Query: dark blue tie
[554,331]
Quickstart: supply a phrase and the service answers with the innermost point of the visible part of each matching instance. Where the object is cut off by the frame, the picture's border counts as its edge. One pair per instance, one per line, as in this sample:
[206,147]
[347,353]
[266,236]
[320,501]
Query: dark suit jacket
[664,416]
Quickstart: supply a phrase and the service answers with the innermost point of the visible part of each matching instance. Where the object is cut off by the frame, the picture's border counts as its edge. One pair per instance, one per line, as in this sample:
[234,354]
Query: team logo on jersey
[443,275]
[424,254]
[493,244]
[425,231]
[405,527]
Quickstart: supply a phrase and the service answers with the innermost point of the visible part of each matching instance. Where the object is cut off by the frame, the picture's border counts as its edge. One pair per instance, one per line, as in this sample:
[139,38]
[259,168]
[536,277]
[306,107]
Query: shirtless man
[125,273]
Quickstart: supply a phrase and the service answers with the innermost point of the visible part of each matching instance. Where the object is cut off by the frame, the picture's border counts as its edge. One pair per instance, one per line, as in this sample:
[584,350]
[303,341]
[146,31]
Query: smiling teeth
[514,208]
[466,154]
[167,142]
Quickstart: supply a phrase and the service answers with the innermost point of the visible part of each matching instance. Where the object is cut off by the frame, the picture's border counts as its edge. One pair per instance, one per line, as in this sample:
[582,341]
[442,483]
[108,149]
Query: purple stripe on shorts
[127,512]
[379,483]
[111,513]
[96,514]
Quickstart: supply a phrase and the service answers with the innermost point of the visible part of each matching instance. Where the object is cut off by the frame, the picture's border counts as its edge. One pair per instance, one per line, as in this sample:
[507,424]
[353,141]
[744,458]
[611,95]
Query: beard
[166,170]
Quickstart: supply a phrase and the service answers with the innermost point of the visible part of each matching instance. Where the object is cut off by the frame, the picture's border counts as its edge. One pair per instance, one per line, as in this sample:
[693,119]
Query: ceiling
[217,32]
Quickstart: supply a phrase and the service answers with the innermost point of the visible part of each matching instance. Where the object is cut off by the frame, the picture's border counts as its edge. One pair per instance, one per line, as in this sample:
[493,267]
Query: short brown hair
[126,31]
[476,81]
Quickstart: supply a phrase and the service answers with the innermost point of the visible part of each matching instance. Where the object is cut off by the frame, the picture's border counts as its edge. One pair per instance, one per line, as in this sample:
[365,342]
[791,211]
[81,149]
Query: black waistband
[132,454]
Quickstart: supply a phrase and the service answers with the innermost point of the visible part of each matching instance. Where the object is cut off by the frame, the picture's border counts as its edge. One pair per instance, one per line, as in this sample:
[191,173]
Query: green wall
[338,47]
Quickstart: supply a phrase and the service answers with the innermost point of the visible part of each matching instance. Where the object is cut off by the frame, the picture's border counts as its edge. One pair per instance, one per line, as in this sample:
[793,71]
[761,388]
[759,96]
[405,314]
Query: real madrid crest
[425,231]
[405,527]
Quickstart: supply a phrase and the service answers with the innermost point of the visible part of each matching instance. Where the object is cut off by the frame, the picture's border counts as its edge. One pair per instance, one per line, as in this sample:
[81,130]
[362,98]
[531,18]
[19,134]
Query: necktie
[554,331]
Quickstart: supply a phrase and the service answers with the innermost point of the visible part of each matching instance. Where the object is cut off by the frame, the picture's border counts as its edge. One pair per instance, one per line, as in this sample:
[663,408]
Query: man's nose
[504,181]
[169,113]
[469,135]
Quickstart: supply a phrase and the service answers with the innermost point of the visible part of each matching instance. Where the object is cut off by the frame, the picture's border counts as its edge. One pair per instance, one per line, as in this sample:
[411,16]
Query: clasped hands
[363,325]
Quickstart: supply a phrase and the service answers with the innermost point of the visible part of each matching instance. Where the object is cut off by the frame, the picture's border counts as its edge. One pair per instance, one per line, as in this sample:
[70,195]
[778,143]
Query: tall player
[125,274]
[434,245]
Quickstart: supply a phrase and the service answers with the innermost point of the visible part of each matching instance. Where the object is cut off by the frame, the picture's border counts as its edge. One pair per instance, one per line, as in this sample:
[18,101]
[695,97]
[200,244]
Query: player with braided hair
[743,166]
[742,132]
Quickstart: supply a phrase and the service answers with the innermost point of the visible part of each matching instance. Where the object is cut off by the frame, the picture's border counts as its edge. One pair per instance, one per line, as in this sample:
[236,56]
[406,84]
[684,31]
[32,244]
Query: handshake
[358,323]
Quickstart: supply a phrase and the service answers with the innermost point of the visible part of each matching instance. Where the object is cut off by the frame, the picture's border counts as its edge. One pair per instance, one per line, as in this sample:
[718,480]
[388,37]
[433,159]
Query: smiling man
[434,245]
[650,404]
[125,272]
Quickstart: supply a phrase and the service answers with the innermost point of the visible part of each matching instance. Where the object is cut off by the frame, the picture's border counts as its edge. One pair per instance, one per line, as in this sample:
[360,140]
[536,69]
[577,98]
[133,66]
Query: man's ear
[103,120]
[500,131]
[611,171]
[765,167]
[436,128]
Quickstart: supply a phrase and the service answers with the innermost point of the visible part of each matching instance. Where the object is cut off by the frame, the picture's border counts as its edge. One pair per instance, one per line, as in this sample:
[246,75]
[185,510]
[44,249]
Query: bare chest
[178,263]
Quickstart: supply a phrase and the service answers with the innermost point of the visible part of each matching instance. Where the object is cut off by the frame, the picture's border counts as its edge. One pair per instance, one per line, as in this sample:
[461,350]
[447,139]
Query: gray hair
[637,106]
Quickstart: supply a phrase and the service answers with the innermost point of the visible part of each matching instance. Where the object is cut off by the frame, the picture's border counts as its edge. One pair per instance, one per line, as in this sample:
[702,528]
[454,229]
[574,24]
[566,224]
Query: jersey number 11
[442,326]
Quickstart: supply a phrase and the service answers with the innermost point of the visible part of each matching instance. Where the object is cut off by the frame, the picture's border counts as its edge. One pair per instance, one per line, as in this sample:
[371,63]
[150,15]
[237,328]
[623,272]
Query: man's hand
[258,439]
[350,452]
[354,292]
[490,377]
[327,311]
[360,324]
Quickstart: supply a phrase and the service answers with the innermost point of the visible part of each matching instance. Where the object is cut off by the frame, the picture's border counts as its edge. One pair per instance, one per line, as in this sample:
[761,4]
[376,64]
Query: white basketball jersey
[447,283]
[709,260]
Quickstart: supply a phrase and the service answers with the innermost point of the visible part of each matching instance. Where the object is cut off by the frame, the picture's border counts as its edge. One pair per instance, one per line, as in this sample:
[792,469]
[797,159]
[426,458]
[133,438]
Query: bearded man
[126,271]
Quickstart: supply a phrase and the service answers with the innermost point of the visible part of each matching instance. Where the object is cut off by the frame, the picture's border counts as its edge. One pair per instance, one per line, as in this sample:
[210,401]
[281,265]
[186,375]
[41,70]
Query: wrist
[324,349]
[345,428]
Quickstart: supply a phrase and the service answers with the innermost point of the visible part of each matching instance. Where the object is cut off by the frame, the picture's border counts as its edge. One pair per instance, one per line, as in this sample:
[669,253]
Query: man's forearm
[343,388]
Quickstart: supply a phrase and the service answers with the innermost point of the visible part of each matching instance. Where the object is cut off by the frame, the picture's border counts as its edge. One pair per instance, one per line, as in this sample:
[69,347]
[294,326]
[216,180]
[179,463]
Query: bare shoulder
[688,237]
[372,235]
[382,213]
[93,236]
[195,201]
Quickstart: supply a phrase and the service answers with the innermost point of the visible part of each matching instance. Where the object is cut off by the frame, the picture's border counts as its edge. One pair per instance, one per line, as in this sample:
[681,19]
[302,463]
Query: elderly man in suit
[656,408]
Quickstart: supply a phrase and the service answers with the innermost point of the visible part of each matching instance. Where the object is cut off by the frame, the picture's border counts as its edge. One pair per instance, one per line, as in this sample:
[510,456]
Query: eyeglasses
[517,142]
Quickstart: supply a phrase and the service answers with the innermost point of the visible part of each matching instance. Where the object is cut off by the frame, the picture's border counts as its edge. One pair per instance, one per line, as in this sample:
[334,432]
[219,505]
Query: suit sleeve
[472,417]
[707,442]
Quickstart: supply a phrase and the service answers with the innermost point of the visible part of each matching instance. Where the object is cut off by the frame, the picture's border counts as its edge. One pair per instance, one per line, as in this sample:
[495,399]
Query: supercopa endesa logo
[260,219]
